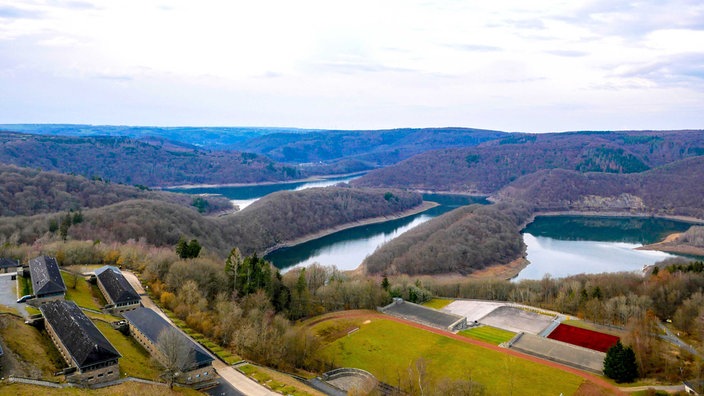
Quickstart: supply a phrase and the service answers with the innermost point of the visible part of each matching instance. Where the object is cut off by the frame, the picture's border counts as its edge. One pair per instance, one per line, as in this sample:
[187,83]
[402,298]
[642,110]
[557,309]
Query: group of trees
[462,241]
[29,191]
[492,165]
[147,162]
[275,219]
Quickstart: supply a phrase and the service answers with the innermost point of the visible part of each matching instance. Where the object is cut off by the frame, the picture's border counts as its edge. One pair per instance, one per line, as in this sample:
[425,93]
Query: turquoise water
[570,245]
[244,196]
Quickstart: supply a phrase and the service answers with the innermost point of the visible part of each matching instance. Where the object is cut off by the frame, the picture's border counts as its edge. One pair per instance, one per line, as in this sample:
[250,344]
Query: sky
[530,66]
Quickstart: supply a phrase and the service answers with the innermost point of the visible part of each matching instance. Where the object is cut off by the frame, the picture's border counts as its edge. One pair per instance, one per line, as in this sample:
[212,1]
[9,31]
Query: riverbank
[670,245]
[374,220]
[684,219]
[267,183]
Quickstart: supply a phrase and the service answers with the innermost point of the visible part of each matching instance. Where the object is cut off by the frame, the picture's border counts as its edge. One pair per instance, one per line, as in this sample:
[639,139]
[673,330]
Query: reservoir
[570,245]
[244,196]
[556,245]
[347,249]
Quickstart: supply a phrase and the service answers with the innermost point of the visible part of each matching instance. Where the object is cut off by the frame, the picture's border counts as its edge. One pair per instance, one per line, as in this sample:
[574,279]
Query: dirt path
[601,382]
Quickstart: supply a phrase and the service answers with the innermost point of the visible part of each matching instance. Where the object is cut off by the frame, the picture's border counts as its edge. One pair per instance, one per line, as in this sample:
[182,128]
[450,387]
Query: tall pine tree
[620,363]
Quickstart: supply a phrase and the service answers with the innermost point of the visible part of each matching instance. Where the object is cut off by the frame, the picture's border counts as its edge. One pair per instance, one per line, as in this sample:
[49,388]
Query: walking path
[239,381]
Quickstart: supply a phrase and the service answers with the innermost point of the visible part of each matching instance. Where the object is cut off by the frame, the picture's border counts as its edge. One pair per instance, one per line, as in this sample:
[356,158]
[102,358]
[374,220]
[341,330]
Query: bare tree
[177,354]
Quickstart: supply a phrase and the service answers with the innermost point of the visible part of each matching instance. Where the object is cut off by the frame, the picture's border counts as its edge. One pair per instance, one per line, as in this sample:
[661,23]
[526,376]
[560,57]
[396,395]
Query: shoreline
[373,220]
[267,183]
[684,219]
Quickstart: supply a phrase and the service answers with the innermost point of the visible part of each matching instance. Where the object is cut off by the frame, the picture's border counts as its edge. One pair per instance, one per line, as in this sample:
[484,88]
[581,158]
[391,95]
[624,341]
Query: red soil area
[582,337]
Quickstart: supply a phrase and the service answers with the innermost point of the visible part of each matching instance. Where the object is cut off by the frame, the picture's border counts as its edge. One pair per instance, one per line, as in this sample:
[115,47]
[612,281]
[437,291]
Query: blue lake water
[556,245]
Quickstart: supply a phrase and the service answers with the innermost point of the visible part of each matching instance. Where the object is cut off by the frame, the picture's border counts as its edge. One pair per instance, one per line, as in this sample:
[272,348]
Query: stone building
[117,290]
[47,283]
[146,326]
[90,356]
[8,265]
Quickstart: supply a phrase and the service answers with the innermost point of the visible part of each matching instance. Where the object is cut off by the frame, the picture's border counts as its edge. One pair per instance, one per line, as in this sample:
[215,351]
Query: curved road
[237,380]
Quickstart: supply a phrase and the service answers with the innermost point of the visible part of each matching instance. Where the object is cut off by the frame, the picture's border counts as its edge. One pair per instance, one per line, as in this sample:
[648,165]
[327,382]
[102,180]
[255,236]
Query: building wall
[43,299]
[192,377]
[108,373]
[104,374]
[105,293]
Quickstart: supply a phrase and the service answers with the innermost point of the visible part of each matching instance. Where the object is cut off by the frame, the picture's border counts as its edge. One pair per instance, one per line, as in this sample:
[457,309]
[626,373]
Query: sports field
[387,349]
[488,334]
[582,337]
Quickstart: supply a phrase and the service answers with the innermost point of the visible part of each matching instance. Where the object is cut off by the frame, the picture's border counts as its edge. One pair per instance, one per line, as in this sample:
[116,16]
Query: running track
[599,381]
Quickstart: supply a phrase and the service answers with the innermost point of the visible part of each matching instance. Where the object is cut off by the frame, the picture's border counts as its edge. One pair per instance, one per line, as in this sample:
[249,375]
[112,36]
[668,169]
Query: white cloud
[361,64]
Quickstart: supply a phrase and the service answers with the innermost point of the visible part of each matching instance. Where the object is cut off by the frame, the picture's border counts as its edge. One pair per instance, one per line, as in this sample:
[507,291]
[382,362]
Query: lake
[556,245]
[244,196]
[347,249]
[569,245]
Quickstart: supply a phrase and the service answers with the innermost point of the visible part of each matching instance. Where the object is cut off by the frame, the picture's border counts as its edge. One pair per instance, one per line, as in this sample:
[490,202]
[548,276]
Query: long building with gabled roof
[90,356]
[146,326]
[47,283]
[118,292]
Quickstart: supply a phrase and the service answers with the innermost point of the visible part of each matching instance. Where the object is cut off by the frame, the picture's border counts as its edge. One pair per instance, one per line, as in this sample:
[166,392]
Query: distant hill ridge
[488,167]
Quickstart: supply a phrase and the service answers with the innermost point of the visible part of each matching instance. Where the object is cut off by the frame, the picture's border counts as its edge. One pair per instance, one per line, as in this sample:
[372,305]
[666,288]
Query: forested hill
[277,218]
[151,163]
[492,165]
[462,241]
[289,145]
[27,191]
[673,189]
[376,147]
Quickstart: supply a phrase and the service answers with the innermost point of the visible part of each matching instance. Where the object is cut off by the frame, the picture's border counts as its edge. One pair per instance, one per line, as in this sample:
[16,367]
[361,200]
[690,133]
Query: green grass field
[438,303]
[488,334]
[82,294]
[387,349]
[135,360]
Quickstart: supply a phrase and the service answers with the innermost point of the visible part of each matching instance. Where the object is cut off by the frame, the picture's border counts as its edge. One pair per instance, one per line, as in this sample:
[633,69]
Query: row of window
[101,375]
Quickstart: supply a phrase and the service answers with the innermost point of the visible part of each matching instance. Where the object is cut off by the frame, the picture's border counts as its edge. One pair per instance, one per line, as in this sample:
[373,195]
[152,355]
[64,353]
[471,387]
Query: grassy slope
[131,388]
[488,334]
[83,294]
[438,303]
[135,360]
[384,348]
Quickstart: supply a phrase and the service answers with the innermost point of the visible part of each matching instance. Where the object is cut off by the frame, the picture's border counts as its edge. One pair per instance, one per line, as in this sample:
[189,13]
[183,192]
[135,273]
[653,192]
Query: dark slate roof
[8,263]
[46,277]
[86,344]
[116,285]
[151,325]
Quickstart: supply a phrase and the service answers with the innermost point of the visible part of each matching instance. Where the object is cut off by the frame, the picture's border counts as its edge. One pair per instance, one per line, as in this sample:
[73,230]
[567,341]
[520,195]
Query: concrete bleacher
[424,315]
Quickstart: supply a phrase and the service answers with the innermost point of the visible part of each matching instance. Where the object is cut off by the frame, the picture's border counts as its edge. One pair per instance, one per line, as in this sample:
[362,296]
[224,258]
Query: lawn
[83,293]
[277,382]
[128,388]
[135,360]
[583,337]
[387,349]
[488,334]
[24,285]
[438,303]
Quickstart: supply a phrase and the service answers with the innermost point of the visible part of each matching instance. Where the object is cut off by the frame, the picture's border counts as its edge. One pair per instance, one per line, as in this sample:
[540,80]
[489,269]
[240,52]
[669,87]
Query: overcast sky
[534,66]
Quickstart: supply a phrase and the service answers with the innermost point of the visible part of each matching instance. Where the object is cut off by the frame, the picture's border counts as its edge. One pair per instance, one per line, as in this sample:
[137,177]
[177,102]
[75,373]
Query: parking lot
[8,293]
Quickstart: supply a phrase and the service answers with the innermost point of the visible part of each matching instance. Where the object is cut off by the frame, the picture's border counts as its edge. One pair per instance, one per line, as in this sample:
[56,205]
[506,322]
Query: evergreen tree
[620,363]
